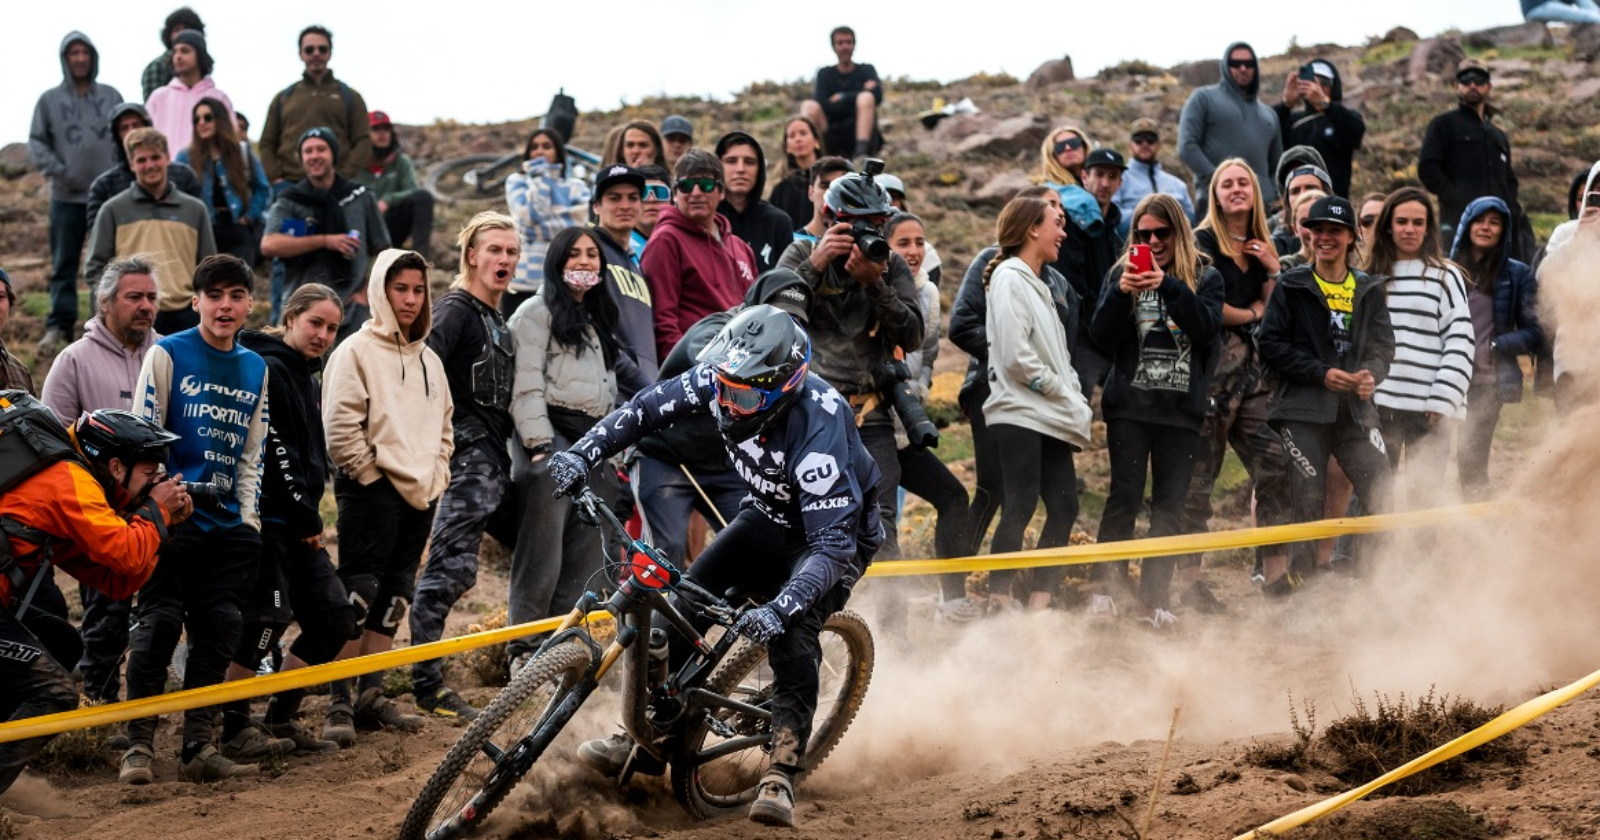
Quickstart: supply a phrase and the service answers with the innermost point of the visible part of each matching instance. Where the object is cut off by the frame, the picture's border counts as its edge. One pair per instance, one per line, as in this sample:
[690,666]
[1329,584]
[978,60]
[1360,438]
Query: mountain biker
[100,514]
[813,491]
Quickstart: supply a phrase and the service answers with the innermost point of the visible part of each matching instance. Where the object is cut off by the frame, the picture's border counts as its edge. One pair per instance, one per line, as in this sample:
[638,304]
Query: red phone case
[1139,259]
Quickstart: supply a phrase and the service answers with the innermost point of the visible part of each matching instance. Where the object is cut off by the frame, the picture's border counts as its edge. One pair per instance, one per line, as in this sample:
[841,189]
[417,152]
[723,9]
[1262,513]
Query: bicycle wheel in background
[471,781]
[470,177]
[723,757]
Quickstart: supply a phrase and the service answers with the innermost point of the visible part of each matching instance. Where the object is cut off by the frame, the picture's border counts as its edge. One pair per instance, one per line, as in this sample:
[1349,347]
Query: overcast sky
[506,59]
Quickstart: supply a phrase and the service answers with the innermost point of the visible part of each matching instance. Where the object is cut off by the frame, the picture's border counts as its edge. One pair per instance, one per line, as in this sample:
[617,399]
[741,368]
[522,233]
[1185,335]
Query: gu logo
[817,472]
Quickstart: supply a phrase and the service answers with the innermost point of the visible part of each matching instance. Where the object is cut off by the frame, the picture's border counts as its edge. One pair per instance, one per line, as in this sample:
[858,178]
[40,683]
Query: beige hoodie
[384,395]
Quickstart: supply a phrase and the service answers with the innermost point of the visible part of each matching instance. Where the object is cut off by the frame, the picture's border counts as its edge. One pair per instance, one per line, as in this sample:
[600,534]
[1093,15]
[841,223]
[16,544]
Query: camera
[204,494]
[893,381]
[871,242]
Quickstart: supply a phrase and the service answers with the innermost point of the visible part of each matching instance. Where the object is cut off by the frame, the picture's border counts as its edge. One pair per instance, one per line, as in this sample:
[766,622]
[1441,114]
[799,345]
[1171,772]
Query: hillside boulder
[1051,74]
[1585,43]
[1001,188]
[1530,35]
[1435,57]
[14,162]
[987,135]
[1197,73]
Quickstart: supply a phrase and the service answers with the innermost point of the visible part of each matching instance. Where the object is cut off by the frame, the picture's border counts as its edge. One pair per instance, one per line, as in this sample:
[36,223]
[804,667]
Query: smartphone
[1139,259]
[1307,74]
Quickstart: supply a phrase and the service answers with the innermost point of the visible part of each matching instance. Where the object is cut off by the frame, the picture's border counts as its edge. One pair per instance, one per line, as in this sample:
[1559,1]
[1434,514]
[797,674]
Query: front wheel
[723,756]
[488,761]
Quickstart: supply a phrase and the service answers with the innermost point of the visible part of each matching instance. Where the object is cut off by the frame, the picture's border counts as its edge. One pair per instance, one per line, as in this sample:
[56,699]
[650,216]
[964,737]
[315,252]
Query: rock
[1436,57]
[1569,70]
[14,161]
[1005,138]
[1585,90]
[1397,35]
[1296,783]
[1522,36]
[1585,42]
[1001,188]
[1051,74]
[1197,73]
[1501,67]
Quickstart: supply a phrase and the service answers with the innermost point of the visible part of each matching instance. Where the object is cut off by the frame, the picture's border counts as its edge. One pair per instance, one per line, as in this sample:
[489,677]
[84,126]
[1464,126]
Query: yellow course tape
[1518,717]
[195,698]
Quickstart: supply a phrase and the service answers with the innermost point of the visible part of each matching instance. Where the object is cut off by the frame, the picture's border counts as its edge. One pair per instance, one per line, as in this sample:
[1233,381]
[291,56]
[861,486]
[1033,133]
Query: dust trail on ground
[32,794]
[1495,611]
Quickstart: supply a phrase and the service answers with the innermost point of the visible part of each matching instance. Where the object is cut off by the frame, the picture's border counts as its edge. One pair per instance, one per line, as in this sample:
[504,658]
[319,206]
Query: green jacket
[307,104]
[394,183]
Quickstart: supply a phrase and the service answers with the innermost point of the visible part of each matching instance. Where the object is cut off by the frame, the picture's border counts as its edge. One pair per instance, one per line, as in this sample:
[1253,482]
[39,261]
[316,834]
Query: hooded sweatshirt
[692,275]
[172,109]
[1030,384]
[70,141]
[1335,131]
[1223,120]
[295,460]
[388,408]
[1516,330]
[120,176]
[765,228]
[94,372]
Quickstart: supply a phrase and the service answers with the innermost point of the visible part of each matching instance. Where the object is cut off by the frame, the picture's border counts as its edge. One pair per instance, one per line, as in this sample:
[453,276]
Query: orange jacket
[100,548]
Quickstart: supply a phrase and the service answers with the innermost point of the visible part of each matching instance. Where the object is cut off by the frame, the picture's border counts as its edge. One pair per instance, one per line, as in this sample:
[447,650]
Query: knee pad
[255,641]
[385,620]
[363,590]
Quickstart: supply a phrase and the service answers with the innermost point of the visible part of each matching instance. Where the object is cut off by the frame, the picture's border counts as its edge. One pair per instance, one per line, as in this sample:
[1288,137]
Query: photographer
[865,307]
[99,511]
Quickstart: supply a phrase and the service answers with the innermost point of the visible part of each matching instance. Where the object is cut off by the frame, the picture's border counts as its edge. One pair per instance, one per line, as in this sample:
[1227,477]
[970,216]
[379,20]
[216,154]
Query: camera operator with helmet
[865,314]
[96,505]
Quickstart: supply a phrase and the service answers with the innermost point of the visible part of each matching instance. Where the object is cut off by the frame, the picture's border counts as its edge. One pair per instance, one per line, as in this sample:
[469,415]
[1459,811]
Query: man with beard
[97,372]
[1228,119]
[764,227]
[324,228]
[392,177]
[1466,156]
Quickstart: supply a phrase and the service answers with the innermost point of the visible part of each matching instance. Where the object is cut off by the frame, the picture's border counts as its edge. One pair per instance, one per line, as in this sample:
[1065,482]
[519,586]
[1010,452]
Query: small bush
[489,664]
[1292,756]
[78,751]
[1131,68]
[1373,741]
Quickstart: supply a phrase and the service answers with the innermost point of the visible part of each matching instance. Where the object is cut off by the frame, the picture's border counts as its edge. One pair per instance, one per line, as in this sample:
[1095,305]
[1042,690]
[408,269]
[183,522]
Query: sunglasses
[657,192]
[1144,139]
[1235,64]
[744,399]
[203,118]
[1369,220]
[316,49]
[1474,80]
[1146,235]
[706,184]
[1073,142]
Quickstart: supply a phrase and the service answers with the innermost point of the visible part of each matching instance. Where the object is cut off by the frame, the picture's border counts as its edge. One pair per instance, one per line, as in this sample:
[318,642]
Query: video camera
[893,380]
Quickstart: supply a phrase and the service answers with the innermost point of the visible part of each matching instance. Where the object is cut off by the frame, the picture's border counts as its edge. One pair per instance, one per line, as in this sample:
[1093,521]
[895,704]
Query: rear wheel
[474,776]
[470,177]
[724,755]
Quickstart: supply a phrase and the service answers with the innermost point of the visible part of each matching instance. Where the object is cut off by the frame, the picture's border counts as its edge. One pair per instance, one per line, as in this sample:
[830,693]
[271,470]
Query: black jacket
[1296,342]
[1335,132]
[295,457]
[1197,313]
[764,227]
[792,195]
[969,321]
[1084,261]
[479,355]
[1463,158]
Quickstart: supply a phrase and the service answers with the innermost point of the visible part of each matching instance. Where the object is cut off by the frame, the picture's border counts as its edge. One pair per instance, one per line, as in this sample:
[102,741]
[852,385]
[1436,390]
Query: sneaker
[774,803]
[136,766]
[606,756]
[340,725]
[375,711]
[1201,599]
[1159,619]
[251,744]
[1281,588]
[962,610]
[208,765]
[304,742]
[447,704]
[1102,608]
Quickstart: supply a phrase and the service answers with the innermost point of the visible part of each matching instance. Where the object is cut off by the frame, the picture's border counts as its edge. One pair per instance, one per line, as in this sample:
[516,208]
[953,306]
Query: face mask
[580,280]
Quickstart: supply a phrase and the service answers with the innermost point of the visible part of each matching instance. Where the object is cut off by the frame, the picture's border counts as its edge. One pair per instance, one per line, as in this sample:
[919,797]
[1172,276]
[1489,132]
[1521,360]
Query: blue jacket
[1516,302]
[260,189]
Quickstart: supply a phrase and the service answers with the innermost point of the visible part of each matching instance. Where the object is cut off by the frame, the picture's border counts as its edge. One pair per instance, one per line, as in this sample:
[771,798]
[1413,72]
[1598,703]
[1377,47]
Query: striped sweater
[1433,341]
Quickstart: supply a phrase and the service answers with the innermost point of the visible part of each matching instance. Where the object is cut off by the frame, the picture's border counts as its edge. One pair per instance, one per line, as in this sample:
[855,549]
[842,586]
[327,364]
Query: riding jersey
[809,472]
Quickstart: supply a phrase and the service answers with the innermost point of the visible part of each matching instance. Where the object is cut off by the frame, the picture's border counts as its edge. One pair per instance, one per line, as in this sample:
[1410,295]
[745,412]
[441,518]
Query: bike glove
[568,471]
[760,625]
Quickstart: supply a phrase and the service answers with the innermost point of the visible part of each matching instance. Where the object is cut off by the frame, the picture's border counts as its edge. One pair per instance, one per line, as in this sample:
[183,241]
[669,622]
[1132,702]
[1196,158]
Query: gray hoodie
[1221,121]
[71,141]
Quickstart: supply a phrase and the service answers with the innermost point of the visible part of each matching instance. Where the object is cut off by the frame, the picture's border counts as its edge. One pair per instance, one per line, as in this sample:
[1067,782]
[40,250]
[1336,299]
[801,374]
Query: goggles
[744,399]
[656,193]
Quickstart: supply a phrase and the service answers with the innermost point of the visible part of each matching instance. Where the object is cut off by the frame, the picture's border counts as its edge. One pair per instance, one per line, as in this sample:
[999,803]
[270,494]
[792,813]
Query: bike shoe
[136,766]
[447,704]
[208,765]
[606,756]
[774,803]
[304,742]
[1201,599]
[375,711]
[962,610]
[340,725]
[251,744]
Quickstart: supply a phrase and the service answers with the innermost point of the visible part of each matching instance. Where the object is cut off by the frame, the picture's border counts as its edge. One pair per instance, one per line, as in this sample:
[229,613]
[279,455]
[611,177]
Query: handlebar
[659,572]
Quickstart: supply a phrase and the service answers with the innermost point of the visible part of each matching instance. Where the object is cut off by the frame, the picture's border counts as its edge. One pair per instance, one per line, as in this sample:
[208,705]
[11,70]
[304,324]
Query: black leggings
[986,464]
[1034,467]
[922,473]
[1168,454]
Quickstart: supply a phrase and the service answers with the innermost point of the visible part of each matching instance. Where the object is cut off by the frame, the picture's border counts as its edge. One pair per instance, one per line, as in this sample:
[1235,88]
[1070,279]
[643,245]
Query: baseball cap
[616,174]
[1332,209]
[1104,157]
[1144,125]
[676,124]
[1471,67]
[377,118]
[1323,69]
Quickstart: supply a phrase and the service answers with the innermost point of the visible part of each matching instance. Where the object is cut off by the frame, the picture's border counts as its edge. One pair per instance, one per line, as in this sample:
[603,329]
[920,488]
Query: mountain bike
[710,722]
[484,176]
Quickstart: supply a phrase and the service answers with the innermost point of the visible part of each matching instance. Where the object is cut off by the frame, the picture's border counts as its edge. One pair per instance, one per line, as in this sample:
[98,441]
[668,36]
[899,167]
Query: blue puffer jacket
[1516,306]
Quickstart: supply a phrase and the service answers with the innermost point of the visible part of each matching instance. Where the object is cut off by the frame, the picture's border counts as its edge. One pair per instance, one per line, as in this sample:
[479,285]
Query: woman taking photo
[1427,385]
[1327,338]
[233,188]
[1158,317]
[802,144]
[543,200]
[1234,235]
[1036,413]
[566,382]
[1503,299]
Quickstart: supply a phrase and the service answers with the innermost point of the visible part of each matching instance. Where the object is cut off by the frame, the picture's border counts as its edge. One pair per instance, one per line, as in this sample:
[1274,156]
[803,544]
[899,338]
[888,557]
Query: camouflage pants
[1239,396]
[480,482]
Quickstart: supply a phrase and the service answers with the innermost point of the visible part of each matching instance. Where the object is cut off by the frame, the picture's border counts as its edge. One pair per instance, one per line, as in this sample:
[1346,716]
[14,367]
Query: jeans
[1426,450]
[1168,454]
[69,228]
[1034,467]
[1477,436]
[32,683]
[666,498]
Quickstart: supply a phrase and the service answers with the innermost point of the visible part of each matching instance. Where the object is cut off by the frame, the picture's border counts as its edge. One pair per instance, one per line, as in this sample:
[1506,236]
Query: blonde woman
[1061,157]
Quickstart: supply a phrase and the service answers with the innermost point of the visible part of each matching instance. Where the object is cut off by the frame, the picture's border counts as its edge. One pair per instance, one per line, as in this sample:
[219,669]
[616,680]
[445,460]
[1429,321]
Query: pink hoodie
[171,110]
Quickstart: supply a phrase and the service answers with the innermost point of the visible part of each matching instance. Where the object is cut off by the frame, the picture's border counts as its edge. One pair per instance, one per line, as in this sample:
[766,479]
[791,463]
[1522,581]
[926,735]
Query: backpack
[31,439]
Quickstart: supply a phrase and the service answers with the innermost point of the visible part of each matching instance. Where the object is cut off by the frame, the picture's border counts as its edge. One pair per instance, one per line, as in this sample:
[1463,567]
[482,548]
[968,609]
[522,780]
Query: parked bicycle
[484,176]
[709,722]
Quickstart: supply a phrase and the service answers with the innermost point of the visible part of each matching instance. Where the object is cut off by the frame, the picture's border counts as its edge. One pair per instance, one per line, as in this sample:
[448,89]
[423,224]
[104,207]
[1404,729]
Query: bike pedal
[642,762]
